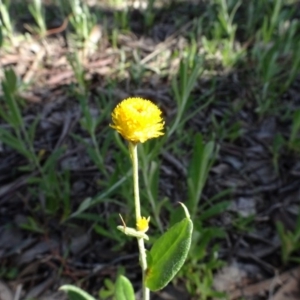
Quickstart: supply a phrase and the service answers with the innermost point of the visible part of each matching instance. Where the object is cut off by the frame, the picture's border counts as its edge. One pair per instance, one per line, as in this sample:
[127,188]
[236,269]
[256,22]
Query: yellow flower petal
[137,120]
[143,224]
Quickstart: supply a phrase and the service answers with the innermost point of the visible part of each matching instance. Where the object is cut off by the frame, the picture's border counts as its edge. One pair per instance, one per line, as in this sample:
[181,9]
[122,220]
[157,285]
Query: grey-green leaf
[75,293]
[124,289]
[168,254]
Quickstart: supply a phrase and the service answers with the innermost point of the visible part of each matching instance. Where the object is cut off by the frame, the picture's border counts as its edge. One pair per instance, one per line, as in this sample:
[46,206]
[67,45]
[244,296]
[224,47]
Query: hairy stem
[142,250]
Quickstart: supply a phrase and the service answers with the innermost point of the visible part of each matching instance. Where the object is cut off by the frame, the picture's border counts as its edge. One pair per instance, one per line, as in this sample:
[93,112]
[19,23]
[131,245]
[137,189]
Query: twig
[263,286]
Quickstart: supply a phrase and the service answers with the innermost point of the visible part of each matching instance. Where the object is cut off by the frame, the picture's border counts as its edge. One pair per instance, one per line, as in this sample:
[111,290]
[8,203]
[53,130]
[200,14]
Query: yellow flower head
[137,120]
[142,224]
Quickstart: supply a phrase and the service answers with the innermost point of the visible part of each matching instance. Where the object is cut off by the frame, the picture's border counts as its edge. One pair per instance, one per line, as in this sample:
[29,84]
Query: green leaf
[295,126]
[9,139]
[75,293]
[216,209]
[108,290]
[202,161]
[52,159]
[168,254]
[124,289]
[1,37]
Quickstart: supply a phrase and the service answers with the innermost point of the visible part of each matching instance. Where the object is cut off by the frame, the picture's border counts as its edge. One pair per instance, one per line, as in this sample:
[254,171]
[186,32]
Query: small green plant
[56,187]
[254,13]
[83,22]
[268,68]
[32,225]
[203,259]
[138,120]
[199,277]
[294,139]
[182,89]
[137,69]
[81,19]
[243,223]
[149,14]
[272,55]
[121,19]
[276,149]
[6,25]
[90,124]
[290,242]
[225,129]
[201,163]
[9,273]
[20,137]
[38,12]
[222,44]
[79,72]
[271,21]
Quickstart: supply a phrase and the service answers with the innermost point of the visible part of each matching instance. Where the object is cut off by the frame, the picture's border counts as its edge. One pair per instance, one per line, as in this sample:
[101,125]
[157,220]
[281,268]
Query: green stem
[142,250]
